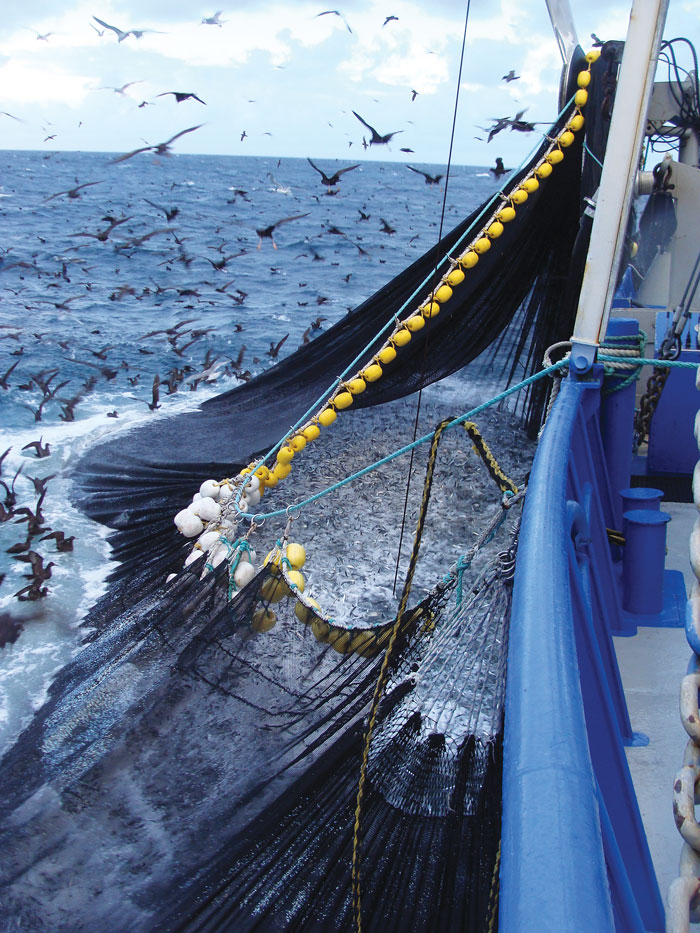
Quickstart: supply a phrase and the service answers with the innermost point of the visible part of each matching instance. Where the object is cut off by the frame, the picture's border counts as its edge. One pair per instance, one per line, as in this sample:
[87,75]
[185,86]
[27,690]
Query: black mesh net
[197,765]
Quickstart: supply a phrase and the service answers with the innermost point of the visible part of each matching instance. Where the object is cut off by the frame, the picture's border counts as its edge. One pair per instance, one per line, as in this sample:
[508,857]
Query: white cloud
[26,82]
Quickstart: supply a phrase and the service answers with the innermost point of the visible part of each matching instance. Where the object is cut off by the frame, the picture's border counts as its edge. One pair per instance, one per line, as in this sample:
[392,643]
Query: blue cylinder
[643,561]
[641,497]
[617,416]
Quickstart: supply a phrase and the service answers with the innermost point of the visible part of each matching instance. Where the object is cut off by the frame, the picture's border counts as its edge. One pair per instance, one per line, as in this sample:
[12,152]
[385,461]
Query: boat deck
[652,664]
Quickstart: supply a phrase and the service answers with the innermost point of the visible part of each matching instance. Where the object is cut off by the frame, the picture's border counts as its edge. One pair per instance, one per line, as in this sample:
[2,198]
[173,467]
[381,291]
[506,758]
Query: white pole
[619,170]
[564,28]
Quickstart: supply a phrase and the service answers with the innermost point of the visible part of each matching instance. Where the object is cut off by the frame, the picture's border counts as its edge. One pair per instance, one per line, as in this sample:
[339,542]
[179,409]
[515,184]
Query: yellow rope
[381,680]
[490,462]
[505,484]
[493,893]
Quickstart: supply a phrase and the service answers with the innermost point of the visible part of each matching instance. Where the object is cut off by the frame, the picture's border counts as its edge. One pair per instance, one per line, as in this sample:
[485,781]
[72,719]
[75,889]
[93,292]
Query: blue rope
[595,158]
[240,547]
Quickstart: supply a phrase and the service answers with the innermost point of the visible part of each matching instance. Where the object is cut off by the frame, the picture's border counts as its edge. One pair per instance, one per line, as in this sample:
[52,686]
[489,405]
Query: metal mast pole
[616,185]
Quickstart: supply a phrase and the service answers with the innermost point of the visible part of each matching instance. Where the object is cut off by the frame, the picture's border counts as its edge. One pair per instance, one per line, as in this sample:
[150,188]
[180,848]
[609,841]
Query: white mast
[616,185]
[564,28]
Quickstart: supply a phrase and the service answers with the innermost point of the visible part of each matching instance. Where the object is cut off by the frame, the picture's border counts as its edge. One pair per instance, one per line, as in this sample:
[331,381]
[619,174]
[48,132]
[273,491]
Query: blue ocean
[135,290]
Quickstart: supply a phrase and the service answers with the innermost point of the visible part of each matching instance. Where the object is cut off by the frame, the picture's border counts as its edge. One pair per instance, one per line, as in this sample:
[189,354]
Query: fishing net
[209,748]
[240,747]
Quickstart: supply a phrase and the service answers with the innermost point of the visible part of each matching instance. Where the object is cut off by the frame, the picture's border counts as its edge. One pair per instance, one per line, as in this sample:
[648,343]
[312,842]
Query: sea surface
[91,317]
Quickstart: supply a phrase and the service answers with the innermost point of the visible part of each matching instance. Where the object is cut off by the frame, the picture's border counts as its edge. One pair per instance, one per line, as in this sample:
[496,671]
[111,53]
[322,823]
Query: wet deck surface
[652,664]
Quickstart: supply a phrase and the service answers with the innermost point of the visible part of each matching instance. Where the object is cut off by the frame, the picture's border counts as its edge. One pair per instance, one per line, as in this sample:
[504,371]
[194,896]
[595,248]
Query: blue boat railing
[574,855]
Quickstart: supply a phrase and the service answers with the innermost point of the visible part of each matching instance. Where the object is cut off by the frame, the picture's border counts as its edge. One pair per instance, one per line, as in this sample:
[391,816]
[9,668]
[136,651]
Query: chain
[648,404]
[684,892]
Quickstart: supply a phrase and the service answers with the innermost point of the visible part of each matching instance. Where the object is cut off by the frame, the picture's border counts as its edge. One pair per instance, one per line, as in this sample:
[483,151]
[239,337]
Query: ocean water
[87,324]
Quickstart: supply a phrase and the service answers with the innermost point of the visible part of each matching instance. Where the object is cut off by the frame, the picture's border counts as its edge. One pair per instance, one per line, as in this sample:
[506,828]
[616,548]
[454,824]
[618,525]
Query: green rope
[427,438]
[594,157]
[644,361]
[623,342]
[456,422]
[240,547]
[618,386]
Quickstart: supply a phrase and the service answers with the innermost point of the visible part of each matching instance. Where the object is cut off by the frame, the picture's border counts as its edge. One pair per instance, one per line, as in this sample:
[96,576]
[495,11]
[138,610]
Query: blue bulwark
[574,853]
[672,447]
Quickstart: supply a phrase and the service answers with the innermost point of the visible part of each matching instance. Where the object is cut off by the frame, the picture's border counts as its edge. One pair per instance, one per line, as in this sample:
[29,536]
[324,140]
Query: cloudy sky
[288,78]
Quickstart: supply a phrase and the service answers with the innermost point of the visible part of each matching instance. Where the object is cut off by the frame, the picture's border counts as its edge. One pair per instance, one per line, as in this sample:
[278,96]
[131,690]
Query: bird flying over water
[499,168]
[103,235]
[429,179]
[162,149]
[335,13]
[73,192]
[182,95]
[377,139]
[275,348]
[62,542]
[170,212]
[331,180]
[266,232]
[40,449]
[277,186]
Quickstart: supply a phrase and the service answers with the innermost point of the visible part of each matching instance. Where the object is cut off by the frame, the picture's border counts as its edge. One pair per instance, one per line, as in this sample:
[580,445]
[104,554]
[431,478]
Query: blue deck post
[641,497]
[643,564]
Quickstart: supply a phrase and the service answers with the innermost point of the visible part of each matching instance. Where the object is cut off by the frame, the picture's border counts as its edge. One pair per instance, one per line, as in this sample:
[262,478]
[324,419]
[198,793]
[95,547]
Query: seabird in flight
[43,36]
[182,95]
[122,34]
[119,90]
[331,180]
[213,20]
[377,139]
[429,179]
[335,13]
[73,192]
[162,149]
[266,232]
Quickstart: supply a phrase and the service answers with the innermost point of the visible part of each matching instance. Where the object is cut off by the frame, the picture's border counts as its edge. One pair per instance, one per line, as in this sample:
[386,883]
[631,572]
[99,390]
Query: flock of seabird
[50,389]
[181,338]
[374,137]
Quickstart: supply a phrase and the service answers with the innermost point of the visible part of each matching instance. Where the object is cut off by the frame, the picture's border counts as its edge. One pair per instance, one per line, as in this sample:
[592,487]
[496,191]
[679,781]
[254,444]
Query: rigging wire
[442,221]
[684,88]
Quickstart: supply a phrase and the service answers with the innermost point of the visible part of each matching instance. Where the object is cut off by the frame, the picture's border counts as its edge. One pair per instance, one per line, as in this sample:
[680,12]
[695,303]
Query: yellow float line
[343,396]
